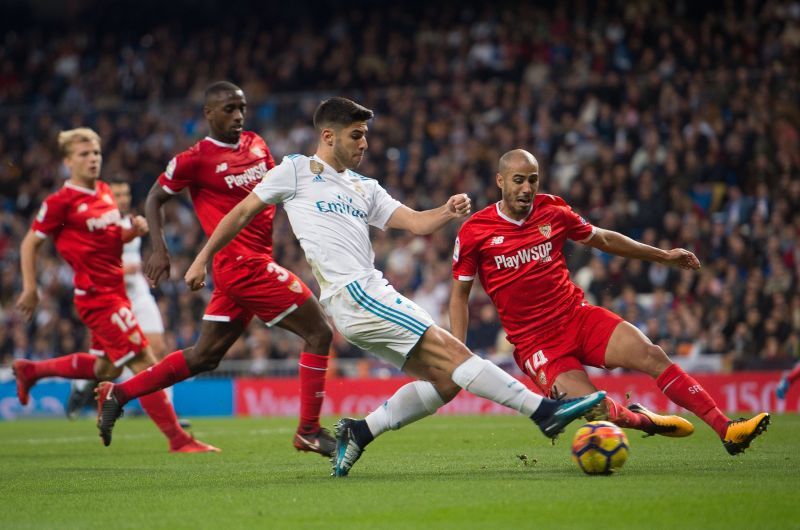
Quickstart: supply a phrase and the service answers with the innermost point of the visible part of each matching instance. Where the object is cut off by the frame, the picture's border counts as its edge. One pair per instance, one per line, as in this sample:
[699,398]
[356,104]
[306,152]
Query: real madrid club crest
[358,189]
[545,230]
[316,167]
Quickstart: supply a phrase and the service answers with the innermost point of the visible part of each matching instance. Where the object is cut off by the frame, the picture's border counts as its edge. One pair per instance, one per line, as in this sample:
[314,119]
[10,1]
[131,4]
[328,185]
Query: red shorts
[115,331]
[580,342]
[255,286]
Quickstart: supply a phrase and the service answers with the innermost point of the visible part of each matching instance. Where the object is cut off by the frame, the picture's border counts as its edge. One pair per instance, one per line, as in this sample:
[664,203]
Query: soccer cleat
[23,372]
[783,388]
[79,399]
[672,426]
[743,431]
[347,450]
[108,410]
[195,446]
[316,442]
[566,411]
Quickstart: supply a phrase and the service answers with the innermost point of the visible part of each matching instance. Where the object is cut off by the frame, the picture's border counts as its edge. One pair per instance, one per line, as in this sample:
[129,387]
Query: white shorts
[145,309]
[378,319]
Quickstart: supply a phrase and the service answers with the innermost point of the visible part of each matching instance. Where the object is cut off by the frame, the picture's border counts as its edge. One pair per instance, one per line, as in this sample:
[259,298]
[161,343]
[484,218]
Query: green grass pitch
[444,472]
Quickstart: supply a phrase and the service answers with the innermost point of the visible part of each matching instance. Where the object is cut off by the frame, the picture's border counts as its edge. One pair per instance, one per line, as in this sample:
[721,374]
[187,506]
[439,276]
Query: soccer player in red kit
[220,171]
[84,222]
[515,247]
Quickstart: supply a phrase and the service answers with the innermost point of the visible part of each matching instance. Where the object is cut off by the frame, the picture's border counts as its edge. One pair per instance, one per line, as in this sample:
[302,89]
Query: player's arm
[29,299]
[157,266]
[230,225]
[621,245]
[423,223]
[138,229]
[459,309]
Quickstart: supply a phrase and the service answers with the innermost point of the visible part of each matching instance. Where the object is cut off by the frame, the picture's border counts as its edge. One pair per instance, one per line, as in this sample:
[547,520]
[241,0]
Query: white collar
[81,189]
[318,159]
[509,219]
[223,144]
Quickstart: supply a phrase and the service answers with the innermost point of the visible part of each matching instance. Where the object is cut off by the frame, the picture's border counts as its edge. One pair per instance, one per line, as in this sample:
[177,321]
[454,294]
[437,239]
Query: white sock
[410,403]
[485,379]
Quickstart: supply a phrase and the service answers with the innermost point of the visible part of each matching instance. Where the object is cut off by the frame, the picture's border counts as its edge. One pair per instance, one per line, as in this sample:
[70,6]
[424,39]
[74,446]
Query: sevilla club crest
[545,230]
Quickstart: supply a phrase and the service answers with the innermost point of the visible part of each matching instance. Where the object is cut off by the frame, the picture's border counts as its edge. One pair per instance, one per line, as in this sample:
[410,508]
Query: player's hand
[139,225]
[195,277]
[27,302]
[459,205]
[682,258]
[157,267]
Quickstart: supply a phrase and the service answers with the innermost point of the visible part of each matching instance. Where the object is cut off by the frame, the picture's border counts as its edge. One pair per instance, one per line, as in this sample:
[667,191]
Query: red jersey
[85,227]
[219,176]
[521,265]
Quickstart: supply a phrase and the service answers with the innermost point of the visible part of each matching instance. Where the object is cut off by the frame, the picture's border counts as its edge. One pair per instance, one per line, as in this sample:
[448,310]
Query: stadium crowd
[675,124]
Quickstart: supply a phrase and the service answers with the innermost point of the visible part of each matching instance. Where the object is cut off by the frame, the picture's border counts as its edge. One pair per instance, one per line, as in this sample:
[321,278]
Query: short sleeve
[578,228]
[51,217]
[178,174]
[465,255]
[382,206]
[279,184]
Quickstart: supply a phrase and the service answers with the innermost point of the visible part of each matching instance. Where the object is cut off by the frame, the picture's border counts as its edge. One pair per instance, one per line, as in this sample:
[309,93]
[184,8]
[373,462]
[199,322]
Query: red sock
[312,389]
[794,375]
[73,366]
[685,391]
[626,418]
[172,369]
[160,410]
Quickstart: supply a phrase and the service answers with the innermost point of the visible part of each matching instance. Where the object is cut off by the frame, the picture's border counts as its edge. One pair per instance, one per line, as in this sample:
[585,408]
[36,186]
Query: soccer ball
[600,448]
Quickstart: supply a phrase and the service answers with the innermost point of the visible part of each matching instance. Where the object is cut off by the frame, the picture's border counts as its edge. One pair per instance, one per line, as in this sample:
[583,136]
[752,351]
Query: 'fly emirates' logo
[539,253]
[250,175]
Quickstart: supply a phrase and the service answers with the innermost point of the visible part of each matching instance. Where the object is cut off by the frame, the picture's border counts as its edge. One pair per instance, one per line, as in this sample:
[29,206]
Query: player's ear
[499,180]
[327,137]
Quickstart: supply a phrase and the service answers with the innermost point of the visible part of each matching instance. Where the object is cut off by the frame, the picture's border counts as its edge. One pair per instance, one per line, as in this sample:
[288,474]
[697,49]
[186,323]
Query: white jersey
[142,302]
[135,283]
[330,214]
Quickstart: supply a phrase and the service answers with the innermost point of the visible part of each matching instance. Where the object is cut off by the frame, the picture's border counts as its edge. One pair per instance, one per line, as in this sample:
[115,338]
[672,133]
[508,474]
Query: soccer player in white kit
[330,208]
[143,304]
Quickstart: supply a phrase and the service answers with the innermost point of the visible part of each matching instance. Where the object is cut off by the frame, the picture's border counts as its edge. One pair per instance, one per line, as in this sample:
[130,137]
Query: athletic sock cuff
[314,361]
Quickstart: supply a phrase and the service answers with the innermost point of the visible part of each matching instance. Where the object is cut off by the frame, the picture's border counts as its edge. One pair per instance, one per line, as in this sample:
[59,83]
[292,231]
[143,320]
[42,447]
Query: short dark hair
[218,87]
[340,112]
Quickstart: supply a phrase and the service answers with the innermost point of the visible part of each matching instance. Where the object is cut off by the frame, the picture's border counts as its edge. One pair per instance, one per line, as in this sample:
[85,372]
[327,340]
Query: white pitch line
[82,439]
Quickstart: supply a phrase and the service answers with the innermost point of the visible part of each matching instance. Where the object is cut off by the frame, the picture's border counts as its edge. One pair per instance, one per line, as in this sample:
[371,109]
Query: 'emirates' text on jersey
[86,231]
[521,265]
[219,176]
[330,214]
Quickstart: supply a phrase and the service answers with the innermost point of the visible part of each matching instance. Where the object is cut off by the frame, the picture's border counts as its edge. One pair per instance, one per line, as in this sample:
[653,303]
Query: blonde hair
[73,136]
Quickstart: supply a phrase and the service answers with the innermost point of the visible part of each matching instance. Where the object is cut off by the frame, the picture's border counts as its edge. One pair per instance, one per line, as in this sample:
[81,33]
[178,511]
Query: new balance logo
[222,167]
[318,178]
[497,240]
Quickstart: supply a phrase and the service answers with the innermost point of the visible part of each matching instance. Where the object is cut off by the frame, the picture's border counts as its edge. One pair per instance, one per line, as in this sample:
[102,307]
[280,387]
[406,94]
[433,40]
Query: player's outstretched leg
[669,425]
[73,366]
[741,432]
